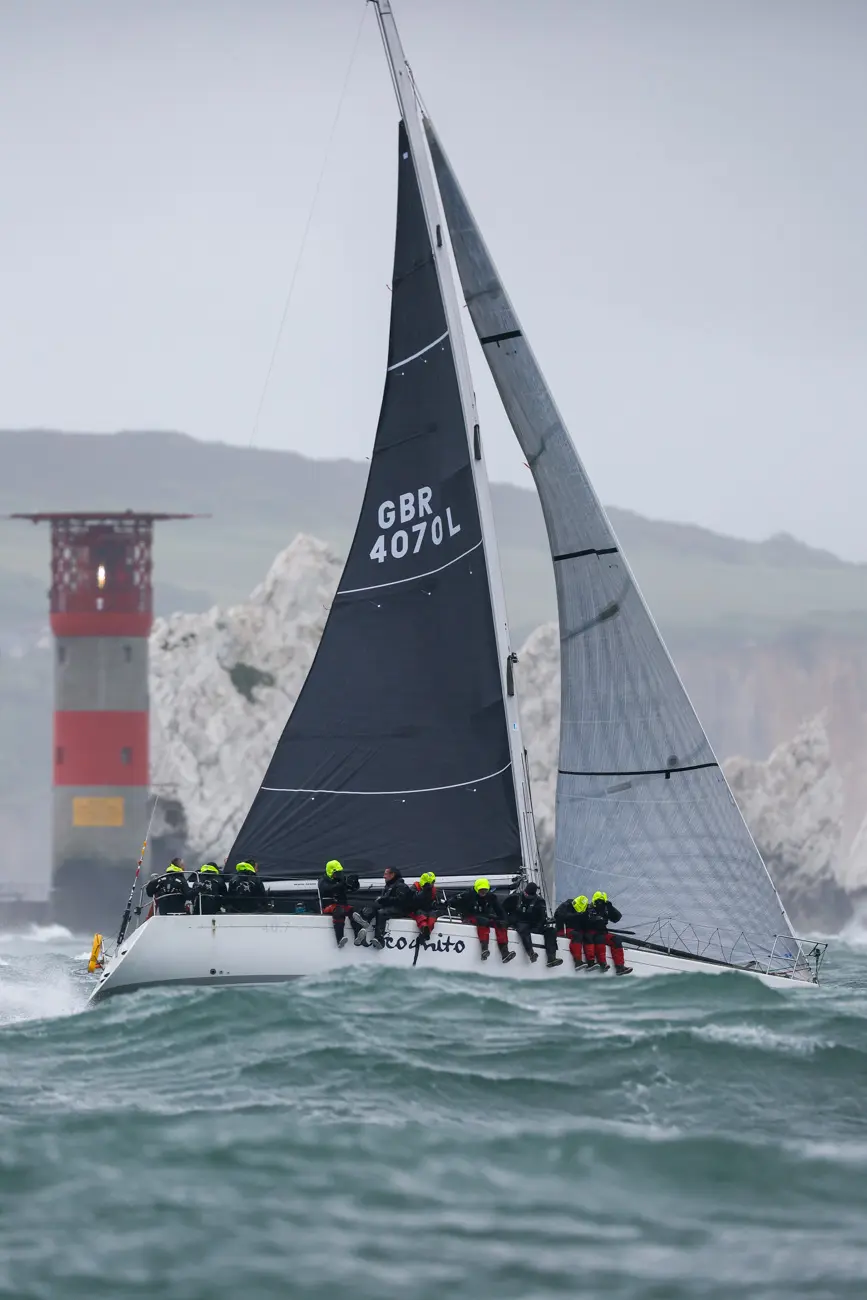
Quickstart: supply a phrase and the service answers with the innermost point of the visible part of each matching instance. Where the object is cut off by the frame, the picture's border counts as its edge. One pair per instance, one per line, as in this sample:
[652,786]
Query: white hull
[260,949]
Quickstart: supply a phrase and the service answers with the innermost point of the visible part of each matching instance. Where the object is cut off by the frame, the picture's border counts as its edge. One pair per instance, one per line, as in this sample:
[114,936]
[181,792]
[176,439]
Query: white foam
[38,934]
[854,933]
[43,998]
[756,1036]
[850,1152]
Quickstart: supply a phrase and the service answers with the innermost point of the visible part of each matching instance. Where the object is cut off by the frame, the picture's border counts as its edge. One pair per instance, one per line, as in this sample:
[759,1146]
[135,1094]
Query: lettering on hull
[441,943]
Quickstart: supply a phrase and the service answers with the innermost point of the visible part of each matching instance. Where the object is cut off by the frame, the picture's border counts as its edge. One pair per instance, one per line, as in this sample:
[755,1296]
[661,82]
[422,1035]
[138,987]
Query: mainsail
[397,751]
[643,808]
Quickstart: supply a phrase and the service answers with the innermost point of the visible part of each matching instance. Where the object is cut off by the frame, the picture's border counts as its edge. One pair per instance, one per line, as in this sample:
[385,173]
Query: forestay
[397,751]
[643,809]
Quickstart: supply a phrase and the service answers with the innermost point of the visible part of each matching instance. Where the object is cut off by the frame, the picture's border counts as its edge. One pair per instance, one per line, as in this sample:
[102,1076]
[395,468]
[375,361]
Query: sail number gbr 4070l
[409,523]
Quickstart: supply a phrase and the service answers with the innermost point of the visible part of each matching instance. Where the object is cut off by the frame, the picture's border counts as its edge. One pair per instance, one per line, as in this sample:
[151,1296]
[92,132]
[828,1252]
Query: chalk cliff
[223,684]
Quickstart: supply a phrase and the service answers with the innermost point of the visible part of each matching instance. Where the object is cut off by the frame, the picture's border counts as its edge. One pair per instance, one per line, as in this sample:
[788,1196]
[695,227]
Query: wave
[53,933]
[435,1135]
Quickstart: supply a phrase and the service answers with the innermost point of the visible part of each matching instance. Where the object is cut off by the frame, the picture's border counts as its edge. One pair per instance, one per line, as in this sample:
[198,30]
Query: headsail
[397,751]
[643,808]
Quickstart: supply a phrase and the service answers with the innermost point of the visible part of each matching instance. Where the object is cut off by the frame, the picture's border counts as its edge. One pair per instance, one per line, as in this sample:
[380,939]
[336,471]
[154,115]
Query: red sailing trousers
[425,923]
[611,941]
[483,930]
[338,913]
[577,939]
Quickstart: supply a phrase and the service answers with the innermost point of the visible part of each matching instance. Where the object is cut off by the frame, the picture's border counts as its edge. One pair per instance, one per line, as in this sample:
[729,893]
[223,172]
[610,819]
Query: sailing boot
[602,965]
[622,970]
[342,941]
[551,955]
[486,950]
[533,955]
[506,952]
[579,965]
[361,935]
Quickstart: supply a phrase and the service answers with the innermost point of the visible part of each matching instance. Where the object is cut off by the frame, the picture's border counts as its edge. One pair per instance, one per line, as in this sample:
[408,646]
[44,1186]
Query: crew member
[480,907]
[572,917]
[600,913]
[171,889]
[396,899]
[426,909]
[526,911]
[334,889]
[246,890]
[210,888]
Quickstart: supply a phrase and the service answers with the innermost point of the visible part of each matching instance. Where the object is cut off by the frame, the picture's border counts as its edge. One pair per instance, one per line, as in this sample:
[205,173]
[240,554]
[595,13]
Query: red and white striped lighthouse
[101,617]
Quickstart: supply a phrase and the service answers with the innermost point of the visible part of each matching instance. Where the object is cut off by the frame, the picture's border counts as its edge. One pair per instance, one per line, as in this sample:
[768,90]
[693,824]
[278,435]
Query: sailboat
[404,747]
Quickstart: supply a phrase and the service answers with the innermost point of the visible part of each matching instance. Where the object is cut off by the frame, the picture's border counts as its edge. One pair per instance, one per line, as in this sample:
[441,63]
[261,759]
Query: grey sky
[675,193]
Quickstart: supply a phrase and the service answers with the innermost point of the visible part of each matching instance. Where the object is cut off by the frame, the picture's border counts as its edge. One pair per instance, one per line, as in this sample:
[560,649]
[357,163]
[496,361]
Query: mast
[409,110]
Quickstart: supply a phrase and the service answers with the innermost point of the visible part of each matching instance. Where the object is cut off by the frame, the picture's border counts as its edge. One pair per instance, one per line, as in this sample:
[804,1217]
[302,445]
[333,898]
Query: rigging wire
[291,290]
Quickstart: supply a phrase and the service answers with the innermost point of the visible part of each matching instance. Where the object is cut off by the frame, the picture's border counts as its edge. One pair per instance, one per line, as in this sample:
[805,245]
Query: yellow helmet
[427,878]
[331,867]
[600,896]
[210,867]
[580,903]
[245,866]
[481,884]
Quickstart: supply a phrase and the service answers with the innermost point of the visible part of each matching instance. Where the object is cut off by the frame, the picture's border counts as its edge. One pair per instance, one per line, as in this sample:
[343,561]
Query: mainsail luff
[408,103]
[642,803]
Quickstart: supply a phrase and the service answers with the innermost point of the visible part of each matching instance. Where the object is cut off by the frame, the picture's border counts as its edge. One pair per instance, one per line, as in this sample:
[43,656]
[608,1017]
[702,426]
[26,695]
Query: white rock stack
[223,684]
[793,804]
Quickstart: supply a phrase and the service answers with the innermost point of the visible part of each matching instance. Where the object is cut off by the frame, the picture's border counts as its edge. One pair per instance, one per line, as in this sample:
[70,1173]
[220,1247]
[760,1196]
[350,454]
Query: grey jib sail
[397,751]
[643,809]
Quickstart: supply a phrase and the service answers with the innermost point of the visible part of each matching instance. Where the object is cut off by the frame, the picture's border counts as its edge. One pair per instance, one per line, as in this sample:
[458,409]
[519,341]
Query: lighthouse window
[127,653]
[61,654]
[126,755]
[58,756]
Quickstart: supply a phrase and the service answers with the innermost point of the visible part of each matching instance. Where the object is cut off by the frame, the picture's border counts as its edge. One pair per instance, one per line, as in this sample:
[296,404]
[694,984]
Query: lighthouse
[101,604]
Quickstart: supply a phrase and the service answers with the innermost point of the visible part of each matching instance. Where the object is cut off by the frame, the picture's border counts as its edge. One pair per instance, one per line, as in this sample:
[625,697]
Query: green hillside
[697,582]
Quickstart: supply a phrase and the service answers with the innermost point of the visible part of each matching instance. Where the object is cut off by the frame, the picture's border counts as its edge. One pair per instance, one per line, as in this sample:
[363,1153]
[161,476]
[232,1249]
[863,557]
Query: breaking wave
[436,1136]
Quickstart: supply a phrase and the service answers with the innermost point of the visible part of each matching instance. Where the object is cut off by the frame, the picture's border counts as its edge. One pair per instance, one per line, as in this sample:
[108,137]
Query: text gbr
[427,528]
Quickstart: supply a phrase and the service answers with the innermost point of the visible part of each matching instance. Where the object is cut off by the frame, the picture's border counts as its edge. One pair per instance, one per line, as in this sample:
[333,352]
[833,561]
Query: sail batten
[642,803]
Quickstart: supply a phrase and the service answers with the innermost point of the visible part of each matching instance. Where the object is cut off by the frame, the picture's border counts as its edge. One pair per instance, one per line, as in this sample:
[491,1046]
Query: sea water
[381,1134]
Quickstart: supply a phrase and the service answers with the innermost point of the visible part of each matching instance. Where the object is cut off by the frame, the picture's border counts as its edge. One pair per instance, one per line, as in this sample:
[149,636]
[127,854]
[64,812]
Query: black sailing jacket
[246,883]
[425,899]
[567,918]
[527,909]
[599,914]
[397,894]
[336,888]
[486,907]
[170,882]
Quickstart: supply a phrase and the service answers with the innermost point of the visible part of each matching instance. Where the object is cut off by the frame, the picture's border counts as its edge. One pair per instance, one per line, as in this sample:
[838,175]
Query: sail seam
[431,789]
[592,550]
[420,352]
[499,338]
[645,771]
[352,591]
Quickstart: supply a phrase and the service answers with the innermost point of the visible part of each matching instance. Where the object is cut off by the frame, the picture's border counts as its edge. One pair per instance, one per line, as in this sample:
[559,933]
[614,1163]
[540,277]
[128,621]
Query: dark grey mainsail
[643,809]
